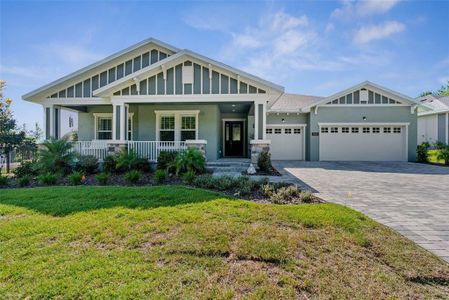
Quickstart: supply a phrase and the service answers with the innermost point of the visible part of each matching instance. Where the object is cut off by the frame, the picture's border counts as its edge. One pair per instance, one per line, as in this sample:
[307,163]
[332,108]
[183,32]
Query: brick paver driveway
[411,198]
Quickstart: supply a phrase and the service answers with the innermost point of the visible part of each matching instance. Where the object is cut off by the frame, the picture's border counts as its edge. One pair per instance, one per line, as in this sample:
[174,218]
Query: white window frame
[110,116]
[178,114]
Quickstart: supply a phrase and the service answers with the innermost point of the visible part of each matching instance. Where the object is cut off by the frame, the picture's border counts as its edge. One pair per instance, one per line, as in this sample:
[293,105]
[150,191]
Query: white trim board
[365,124]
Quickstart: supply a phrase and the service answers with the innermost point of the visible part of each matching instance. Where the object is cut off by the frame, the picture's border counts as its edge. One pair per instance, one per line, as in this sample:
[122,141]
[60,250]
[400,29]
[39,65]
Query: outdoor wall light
[283,120]
[364,118]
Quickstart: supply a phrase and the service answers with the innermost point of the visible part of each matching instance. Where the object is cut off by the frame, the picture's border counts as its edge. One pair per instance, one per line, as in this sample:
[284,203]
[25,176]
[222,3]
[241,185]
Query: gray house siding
[355,114]
[86,121]
[442,128]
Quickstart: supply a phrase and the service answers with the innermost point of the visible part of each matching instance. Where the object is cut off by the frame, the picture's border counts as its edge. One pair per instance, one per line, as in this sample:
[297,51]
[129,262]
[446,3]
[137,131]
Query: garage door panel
[379,146]
[286,143]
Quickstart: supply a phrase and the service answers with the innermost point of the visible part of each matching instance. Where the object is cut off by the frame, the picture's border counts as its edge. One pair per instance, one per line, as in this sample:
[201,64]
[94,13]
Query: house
[153,96]
[433,123]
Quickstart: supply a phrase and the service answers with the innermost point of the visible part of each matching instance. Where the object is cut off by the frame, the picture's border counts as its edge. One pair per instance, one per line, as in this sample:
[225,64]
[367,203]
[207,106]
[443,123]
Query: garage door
[363,143]
[286,143]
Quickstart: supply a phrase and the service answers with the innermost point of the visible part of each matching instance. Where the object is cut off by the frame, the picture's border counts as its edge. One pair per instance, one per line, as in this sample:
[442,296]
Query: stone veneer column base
[257,147]
[116,147]
[197,144]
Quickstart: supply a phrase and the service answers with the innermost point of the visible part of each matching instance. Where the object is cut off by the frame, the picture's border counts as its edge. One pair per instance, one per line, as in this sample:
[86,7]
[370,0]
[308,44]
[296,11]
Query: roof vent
[363,95]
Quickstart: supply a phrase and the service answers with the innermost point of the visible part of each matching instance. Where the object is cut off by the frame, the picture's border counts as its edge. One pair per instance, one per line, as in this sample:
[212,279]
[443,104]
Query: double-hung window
[104,128]
[188,128]
[167,128]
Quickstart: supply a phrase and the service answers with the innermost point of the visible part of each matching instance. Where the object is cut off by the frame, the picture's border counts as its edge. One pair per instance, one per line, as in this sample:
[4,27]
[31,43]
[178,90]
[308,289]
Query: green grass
[179,242]
[433,157]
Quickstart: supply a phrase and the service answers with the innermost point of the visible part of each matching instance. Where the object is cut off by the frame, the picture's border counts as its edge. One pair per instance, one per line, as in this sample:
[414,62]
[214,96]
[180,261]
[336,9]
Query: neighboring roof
[293,102]
[99,63]
[113,86]
[365,84]
[436,104]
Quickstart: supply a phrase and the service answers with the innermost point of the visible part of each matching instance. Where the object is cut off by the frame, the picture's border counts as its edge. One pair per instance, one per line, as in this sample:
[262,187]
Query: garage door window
[334,129]
[324,130]
[269,131]
[345,130]
[376,130]
[397,130]
[288,131]
[297,131]
[355,130]
[387,130]
[277,131]
[366,130]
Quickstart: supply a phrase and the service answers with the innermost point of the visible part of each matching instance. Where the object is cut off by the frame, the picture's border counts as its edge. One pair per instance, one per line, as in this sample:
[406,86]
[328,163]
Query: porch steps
[231,167]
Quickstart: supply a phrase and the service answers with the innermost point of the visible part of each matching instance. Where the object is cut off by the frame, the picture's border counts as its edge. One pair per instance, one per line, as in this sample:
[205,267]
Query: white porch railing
[151,149]
[99,149]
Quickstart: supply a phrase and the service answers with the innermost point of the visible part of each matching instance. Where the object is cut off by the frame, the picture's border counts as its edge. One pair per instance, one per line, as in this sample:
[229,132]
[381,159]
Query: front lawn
[179,242]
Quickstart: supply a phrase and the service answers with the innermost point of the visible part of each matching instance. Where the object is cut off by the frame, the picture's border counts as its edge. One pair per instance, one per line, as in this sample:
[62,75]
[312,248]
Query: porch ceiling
[238,107]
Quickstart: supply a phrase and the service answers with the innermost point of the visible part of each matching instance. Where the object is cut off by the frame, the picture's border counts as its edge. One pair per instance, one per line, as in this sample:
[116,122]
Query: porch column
[52,121]
[118,122]
[256,121]
[264,121]
[124,122]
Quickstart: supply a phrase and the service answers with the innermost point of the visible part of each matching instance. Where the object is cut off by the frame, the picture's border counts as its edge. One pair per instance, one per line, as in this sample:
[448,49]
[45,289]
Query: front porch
[226,130]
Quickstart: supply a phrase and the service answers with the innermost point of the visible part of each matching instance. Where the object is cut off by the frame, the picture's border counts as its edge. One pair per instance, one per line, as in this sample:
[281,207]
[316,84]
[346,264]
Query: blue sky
[309,47]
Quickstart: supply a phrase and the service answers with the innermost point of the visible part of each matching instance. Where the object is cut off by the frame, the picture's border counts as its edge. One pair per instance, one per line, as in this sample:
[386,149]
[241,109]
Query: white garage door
[363,143]
[286,142]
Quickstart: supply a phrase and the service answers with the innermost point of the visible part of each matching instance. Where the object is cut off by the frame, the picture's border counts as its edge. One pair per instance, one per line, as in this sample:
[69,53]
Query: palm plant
[191,160]
[56,156]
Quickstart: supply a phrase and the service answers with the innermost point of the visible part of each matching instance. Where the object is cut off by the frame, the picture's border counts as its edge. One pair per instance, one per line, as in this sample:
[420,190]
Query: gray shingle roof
[293,102]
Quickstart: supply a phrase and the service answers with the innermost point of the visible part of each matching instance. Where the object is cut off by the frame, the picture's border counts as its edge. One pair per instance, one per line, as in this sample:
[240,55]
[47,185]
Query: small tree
[10,136]
[422,152]
[444,155]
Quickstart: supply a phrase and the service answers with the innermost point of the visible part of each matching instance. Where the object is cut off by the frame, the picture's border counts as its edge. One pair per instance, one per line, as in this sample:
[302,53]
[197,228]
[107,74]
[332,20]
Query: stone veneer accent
[257,147]
[197,144]
[116,147]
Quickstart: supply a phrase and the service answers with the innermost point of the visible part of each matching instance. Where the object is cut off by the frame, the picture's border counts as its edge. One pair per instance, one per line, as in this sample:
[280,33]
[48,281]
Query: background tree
[10,136]
[443,91]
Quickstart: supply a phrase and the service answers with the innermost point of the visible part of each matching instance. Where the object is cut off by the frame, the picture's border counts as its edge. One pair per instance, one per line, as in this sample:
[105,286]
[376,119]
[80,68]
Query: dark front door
[234,138]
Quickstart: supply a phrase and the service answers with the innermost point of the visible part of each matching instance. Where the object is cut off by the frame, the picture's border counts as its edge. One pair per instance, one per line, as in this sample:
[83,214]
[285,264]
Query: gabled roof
[99,63]
[434,104]
[293,102]
[365,84]
[167,62]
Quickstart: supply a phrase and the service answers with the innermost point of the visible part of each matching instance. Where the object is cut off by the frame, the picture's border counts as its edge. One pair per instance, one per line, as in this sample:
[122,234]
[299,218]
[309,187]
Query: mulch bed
[148,180]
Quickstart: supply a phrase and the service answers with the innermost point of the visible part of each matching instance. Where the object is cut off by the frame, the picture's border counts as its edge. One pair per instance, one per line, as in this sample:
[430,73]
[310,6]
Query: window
[297,131]
[366,130]
[288,131]
[104,128]
[397,130]
[355,130]
[269,131]
[387,130]
[334,129]
[345,130]
[376,130]
[324,130]
[277,131]
[167,130]
[188,128]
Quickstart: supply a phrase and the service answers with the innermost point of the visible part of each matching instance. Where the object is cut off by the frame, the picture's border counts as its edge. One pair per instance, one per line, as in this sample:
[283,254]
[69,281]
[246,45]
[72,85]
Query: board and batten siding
[442,126]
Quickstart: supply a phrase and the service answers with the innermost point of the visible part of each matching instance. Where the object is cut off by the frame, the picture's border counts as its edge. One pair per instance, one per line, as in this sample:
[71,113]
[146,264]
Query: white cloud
[246,41]
[282,21]
[367,34]
[363,8]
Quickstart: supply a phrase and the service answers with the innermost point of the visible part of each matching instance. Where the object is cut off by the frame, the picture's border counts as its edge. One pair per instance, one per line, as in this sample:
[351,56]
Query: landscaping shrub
[264,162]
[190,160]
[160,176]
[306,197]
[267,190]
[30,168]
[224,183]
[110,163]
[166,161]
[133,176]
[205,181]
[129,160]
[444,155]
[87,164]
[188,177]
[56,156]
[24,180]
[76,178]
[285,193]
[439,145]
[422,152]
[102,178]
[47,178]
[3,180]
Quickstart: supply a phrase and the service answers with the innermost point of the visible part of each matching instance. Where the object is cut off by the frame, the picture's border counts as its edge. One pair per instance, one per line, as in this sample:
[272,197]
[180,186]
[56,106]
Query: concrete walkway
[411,198]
